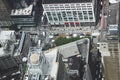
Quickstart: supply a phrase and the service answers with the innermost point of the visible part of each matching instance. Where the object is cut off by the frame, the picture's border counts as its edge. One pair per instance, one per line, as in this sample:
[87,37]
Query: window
[72,6]
[86,17]
[79,8]
[61,6]
[80,15]
[74,13]
[69,13]
[91,18]
[89,8]
[68,9]
[52,7]
[81,18]
[55,18]
[59,16]
[48,13]
[76,19]
[65,19]
[50,18]
[83,4]
[64,14]
[84,12]
[53,13]
[90,12]
[83,8]
[77,4]
[55,5]
[71,19]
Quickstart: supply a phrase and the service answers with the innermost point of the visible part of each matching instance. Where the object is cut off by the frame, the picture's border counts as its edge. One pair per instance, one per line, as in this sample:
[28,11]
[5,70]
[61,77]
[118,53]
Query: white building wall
[70,14]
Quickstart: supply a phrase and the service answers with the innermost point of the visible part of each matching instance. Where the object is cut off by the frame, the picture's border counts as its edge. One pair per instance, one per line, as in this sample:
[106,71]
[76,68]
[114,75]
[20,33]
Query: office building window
[80,15]
[73,6]
[74,13]
[55,19]
[86,17]
[49,16]
[89,8]
[64,14]
[59,16]
[84,8]
[83,4]
[48,13]
[90,12]
[54,14]
[69,13]
[61,6]
[70,19]
[68,9]
[91,18]
[85,13]
[65,19]
[76,19]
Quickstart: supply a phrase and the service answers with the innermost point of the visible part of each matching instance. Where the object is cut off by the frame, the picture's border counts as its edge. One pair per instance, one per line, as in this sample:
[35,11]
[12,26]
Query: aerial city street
[59,40]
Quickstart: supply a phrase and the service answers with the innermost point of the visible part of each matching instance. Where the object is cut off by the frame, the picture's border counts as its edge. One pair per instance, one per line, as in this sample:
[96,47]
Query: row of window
[70,16]
[70,19]
[66,24]
[63,9]
[68,5]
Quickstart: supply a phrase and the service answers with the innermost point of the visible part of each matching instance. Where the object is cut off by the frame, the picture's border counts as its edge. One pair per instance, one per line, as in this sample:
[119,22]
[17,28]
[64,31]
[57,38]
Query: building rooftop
[113,27]
[6,47]
[75,55]
[70,48]
[23,11]
[112,14]
[6,35]
[114,1]
[64,1]
[51,56]
[75,48]
[38,71]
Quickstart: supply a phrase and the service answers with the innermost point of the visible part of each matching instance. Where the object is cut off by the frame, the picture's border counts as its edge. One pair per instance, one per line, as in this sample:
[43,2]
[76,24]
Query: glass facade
[70,14]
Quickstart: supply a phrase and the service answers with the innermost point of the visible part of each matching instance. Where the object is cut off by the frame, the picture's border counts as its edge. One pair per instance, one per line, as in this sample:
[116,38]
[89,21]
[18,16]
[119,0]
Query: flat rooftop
[69,49]
[114,1]
[64,1]
[6,35]
[112,13]
[51,56]
[23,11]
[75,48]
